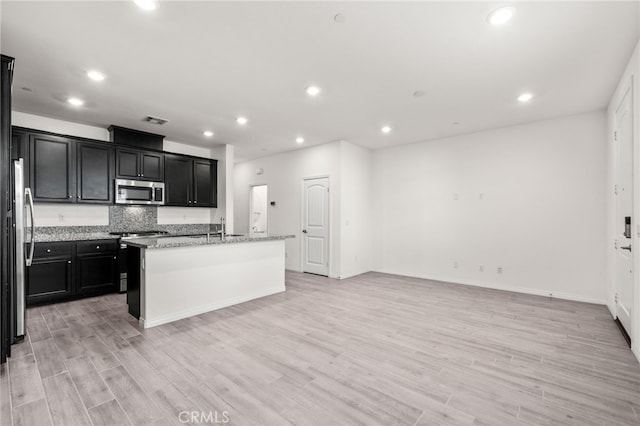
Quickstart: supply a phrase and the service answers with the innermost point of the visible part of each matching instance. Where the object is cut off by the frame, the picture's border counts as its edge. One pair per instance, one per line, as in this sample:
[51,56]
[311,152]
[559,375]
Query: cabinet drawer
[46,250]
[96,246]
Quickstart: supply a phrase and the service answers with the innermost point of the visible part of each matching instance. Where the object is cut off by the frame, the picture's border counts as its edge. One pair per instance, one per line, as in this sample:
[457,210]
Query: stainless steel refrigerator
[6,207]
[23,245]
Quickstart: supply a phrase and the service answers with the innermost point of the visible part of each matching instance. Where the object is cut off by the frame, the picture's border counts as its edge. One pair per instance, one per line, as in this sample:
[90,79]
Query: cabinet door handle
[68,261]
[70,196]
[115,258]
[97,247]
[48,250]
[141,174]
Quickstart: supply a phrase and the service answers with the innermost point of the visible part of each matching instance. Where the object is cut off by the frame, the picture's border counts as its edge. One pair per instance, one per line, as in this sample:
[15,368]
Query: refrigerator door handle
[29,260]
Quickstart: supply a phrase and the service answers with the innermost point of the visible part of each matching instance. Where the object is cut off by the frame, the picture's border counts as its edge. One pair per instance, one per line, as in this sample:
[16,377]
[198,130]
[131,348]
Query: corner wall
[529,199]
[356,216]
[283,173]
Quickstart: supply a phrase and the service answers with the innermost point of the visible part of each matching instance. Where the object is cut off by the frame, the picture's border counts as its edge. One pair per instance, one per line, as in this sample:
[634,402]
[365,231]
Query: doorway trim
[302,207]
[251,186]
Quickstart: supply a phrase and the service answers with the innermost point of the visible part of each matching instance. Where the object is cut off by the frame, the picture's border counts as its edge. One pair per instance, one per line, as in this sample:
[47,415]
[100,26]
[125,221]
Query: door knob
[304,231]
[626,247]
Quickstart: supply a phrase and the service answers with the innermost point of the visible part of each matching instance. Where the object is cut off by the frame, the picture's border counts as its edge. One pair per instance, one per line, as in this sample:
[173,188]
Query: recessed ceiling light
[95,75]
[525,97]
[501,16]
[242,120]
[418,93]
[299,139]
[208,133]
[146,4]
[313,90]
[340,18]
[75,101]
[386,129]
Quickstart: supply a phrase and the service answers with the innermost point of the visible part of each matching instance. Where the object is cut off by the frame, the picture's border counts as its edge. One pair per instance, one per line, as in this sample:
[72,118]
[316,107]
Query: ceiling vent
[155,120]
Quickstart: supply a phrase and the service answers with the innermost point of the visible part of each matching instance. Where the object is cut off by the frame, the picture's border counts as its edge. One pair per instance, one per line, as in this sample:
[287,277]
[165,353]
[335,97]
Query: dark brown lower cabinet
[70,270]
[95,274]
[49,280]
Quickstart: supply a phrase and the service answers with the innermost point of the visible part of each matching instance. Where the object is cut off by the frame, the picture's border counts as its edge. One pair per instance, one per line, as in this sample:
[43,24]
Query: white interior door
[624,211]
[315,226]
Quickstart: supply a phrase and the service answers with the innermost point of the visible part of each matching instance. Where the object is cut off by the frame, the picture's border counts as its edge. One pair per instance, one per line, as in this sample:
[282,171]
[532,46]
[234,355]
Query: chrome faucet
[222,227]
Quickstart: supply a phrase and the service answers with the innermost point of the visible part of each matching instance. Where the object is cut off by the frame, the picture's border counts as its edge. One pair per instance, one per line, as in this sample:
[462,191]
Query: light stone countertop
[47,234]
[199,240]
[73,236]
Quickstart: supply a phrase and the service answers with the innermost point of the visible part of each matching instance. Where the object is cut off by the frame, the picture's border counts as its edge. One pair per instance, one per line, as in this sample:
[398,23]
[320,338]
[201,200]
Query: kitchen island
[172,278]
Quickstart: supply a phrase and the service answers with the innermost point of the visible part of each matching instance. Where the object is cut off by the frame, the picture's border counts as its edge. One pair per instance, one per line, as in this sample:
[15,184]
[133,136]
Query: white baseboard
[355,274]
[503,287]
[208,307]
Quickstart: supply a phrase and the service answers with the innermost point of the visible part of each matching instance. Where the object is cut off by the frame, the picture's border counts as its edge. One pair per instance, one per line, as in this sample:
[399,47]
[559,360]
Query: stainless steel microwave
[139,192]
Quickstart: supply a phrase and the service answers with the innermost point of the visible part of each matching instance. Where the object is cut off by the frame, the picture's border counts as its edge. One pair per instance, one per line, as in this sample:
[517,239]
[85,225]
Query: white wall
[51,214]
[356,221]
[529,199]
[631,76]
[58,126]
[225,156]
[284,173]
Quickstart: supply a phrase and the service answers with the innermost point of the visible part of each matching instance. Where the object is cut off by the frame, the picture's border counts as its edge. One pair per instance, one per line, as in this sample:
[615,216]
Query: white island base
[180,282]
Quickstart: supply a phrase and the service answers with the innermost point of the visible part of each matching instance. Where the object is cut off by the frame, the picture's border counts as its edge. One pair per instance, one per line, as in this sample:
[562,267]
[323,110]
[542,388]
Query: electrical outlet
[60,218]
[499,269]
[481,268]
[455,265]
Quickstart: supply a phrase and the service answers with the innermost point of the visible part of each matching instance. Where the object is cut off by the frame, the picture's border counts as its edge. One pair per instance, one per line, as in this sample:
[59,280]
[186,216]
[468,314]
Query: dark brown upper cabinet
[68,169]
[139,165]
[94,173]
[190,182]
[52,168]
[204,183]
[178,180]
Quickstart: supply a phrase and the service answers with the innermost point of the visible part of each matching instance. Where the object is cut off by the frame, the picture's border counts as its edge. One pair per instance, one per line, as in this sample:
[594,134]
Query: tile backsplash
[119,218]
[133,218]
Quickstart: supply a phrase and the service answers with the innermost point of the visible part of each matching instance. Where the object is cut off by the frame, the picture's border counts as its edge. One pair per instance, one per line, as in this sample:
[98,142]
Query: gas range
[138,234]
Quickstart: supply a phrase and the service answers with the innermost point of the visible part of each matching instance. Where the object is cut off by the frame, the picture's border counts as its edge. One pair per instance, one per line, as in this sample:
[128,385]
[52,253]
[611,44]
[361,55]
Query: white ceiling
[201,64]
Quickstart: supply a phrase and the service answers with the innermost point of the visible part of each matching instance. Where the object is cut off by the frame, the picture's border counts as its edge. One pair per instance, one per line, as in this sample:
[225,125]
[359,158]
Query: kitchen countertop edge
[180,241]
[73,236]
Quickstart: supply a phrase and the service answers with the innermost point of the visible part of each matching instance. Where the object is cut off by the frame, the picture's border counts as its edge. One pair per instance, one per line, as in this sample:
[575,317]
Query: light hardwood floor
[374,349]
